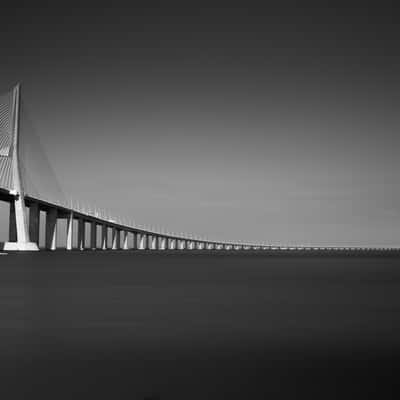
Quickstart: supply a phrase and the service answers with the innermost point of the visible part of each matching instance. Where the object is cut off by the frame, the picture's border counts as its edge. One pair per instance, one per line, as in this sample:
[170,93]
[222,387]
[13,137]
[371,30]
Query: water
[198,326]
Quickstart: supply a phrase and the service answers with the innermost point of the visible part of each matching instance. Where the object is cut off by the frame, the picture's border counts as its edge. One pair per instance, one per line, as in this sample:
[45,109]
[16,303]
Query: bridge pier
[139,241]
[153,242]
[93,235]
[125,241]
[116,238]
[81,234]
[104,237]
[145,242]
[113,238]
[70,227]
[34,222]
[51,229]
[146,239]
[119,239]
[12,224]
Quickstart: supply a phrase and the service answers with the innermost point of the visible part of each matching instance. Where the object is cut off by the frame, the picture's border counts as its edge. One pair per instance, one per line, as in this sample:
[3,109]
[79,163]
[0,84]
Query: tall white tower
[18,219]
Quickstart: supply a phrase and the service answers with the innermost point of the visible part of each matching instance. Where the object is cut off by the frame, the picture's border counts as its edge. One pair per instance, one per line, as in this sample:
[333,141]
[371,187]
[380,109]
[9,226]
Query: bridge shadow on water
[149,326]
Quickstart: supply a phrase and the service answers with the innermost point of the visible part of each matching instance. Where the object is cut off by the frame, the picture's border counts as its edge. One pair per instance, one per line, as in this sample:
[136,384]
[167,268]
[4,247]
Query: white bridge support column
[51,229]
[12,224]
[141,240]
[70,231]
[93,235]
[104,237]
[147,239]
[125,245]
[113,238]
[134,240]
[18,224]
[81,234]
[116,238]
[34,222]
[163,243]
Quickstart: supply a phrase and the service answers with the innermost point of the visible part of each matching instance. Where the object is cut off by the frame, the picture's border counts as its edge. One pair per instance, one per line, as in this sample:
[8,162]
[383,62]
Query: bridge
[25,205]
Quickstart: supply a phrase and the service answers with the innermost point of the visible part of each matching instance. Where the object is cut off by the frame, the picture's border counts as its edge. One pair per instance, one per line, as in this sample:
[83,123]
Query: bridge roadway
[132,237]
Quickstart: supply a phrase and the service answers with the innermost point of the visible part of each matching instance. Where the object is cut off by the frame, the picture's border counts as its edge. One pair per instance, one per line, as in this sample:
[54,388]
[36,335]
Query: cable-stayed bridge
[29,195]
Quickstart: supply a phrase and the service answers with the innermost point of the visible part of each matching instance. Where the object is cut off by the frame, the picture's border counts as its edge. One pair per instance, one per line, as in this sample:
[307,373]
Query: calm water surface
[198,326]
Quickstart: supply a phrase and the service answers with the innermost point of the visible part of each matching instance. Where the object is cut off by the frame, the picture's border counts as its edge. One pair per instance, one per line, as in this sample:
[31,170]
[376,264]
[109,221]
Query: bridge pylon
[18,223]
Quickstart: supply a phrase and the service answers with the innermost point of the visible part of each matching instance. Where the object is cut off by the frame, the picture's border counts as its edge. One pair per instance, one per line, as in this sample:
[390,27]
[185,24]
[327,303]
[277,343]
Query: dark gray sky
[257,123]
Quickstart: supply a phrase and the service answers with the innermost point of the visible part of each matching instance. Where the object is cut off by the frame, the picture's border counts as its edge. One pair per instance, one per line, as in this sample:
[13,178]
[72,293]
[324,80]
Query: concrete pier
[93,235]
[12,225]
[125,245]
[81,234]
[141,240]
[51,229]
[116,238]
[163,243]
[104,237]
[34,222]
[70,231]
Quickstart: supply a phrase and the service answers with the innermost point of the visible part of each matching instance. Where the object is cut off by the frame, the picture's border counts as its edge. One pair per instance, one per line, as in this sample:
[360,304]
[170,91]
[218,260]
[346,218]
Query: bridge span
[25,209]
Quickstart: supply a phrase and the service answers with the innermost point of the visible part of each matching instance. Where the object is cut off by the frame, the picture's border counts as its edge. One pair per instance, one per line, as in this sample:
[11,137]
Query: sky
[275,124]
